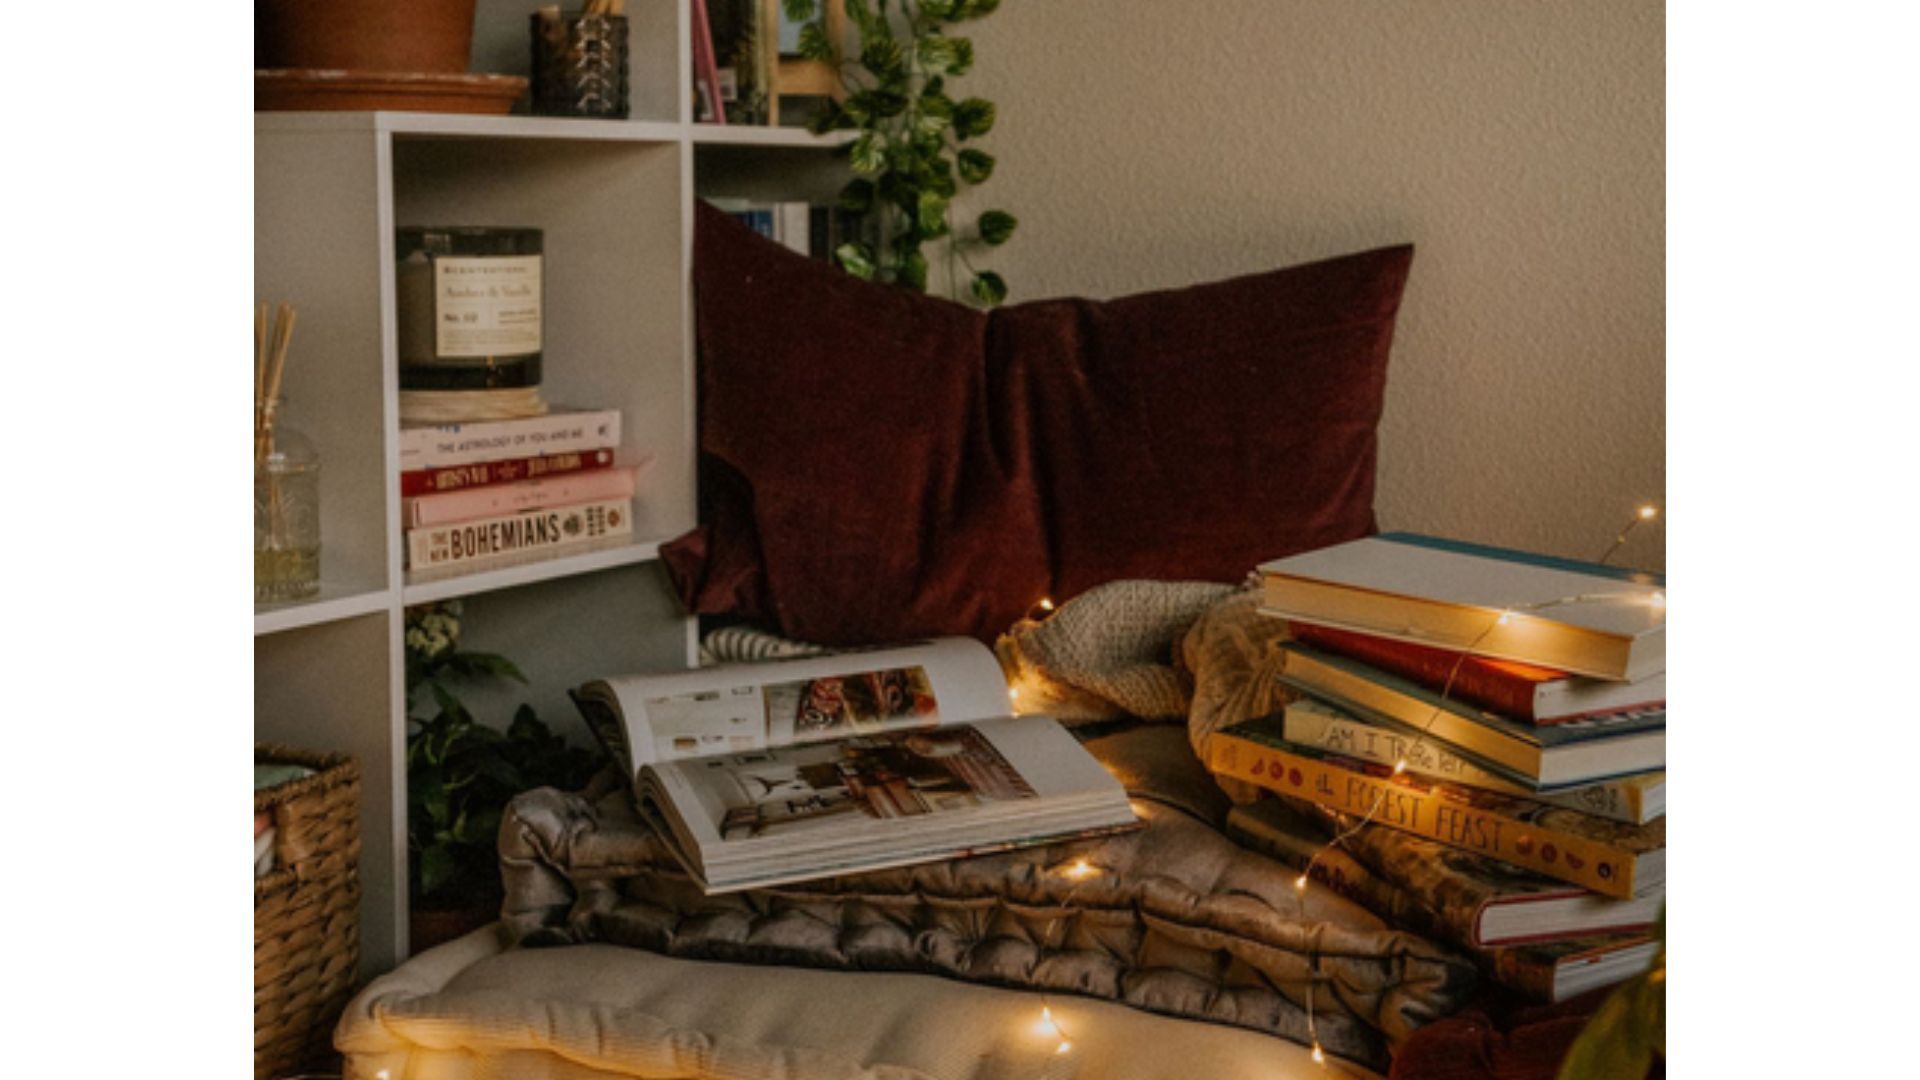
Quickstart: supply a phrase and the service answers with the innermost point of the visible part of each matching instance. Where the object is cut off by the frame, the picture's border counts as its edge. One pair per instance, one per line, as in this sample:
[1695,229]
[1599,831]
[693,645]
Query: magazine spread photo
[770,773]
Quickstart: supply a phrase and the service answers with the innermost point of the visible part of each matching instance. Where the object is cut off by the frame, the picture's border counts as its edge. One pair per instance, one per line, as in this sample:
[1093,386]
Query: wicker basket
[306,913]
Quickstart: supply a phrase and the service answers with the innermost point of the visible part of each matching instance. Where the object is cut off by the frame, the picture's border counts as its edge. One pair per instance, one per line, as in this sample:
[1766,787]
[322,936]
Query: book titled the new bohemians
[764,774]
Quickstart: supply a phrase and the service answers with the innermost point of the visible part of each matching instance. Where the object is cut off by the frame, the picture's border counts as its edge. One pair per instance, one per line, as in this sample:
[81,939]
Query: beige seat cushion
[470,1010]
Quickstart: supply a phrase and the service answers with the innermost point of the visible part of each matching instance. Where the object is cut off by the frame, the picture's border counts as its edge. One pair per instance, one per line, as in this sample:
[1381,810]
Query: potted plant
[912,150]
[461,774]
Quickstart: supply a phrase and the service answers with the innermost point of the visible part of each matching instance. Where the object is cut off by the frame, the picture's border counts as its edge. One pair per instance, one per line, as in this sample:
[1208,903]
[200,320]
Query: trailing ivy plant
[908,157]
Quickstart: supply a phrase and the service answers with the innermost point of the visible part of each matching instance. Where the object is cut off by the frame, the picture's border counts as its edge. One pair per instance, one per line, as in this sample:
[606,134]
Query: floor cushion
[474,1010]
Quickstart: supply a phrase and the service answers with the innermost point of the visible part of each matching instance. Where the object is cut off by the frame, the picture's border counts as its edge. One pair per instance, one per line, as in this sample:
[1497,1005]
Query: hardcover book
[1634,799]
[560,431]
[1584,618]
[1439,901]
[1522,691]
[1556,756]
[494,500]
[555,531]
[764,774]
[416,482]
[1607,857]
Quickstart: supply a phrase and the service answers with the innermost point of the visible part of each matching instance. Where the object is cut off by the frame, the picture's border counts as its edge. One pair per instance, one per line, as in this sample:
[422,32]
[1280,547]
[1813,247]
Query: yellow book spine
[1430,813]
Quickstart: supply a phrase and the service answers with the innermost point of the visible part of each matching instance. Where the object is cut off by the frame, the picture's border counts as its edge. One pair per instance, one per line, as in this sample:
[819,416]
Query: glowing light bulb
[1505,618]
[1300,883]
[1046,1026]
[1080,870]
[1046,603]
[1319,1055]
[1649,512]
[1658,600]
[1013,694]
[1063,1047]
[1400,766]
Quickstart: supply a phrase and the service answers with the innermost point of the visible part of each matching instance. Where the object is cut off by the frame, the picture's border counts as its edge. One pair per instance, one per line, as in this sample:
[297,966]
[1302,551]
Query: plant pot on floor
[425,929]
[423,36]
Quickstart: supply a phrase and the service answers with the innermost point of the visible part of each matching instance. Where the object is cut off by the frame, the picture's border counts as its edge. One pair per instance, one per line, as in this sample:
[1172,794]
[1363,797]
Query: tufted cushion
[880,466]
[1179,920]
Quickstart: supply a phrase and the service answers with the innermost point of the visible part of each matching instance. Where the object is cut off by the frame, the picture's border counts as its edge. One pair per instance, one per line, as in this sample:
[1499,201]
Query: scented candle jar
[469,301]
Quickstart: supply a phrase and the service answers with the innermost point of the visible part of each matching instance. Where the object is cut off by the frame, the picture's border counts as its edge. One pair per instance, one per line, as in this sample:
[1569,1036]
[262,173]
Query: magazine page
[742,708]
[942,781]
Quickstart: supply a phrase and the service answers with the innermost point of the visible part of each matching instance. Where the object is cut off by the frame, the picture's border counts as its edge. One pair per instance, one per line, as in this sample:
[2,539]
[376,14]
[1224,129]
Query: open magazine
[769,773]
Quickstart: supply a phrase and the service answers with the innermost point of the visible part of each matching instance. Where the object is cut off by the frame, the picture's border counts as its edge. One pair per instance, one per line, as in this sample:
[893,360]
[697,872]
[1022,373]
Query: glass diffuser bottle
[286,509]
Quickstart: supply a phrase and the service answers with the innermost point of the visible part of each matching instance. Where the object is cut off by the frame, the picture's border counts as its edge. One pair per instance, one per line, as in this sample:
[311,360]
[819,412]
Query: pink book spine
[705,66]
[497,499]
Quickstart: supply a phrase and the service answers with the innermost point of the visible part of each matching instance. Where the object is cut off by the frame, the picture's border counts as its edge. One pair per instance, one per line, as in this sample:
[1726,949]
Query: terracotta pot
[425,929]
[364,35]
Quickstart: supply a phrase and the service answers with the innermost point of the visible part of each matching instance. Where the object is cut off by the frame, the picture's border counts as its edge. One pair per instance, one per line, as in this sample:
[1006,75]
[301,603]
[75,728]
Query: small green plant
[462,773]
[908,158]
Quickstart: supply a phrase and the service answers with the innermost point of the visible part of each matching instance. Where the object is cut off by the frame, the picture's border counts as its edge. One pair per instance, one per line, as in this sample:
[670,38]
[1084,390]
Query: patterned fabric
[1180,920]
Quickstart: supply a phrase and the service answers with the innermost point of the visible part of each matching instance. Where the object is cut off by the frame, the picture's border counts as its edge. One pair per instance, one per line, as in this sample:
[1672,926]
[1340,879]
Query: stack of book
[481,496]
[800,227]
[1498,721]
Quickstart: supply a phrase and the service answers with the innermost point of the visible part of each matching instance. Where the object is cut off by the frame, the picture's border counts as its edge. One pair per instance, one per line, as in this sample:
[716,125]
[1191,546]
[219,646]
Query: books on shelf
[448,478]
[490,494]
[1522,691]
[1576,617]
[494,500]
[1635,799]
[802,228]
[764,774]
[1532,934]
[1609,857]
[553,531]
[560,431]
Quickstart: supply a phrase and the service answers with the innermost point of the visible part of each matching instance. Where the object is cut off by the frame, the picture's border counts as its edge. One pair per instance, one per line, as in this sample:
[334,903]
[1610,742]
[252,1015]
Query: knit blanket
[1178,920]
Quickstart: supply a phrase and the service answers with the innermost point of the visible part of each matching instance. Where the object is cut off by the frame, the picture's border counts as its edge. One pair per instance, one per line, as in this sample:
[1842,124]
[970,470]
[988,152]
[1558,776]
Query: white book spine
[558,432]
[792,226]
[550,529]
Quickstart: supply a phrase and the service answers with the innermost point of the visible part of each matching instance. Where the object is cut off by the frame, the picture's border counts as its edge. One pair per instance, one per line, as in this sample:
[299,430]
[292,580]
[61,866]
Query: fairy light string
[1081,870]
[1504,617]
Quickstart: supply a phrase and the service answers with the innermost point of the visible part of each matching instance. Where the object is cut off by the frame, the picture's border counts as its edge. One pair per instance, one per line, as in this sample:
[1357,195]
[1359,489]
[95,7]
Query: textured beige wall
[1518,143]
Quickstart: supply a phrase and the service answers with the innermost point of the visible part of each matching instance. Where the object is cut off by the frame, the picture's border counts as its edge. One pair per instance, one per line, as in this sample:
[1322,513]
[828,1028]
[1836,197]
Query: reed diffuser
[286,475]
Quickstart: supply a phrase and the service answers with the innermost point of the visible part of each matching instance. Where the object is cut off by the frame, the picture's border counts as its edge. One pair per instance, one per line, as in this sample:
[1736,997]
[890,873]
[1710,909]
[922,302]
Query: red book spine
[459,477]
[1479,681]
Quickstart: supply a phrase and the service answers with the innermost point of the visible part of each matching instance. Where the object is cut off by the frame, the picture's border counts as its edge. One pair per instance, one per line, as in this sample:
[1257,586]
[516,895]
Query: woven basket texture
[306,913]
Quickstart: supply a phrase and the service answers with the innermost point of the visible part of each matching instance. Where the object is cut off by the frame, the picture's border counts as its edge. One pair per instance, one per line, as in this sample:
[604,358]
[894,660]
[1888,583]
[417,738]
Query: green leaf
[931,215]
[932,116]
[814,43]
[973,117]
[975,165]
[913,270]
[962,61]
[877,104]
[938,9]
[974,9]
[798,10]
[996,226]
[868,154]
[855,259]
[989,288]
[437,869]
[937,52]
[856,197]
[883,57]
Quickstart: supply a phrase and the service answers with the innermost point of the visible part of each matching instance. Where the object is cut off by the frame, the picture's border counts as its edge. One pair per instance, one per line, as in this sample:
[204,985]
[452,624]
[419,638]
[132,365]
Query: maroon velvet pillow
[878,465]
